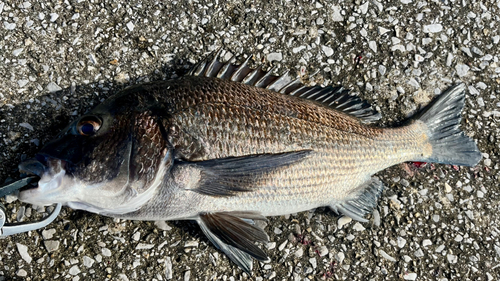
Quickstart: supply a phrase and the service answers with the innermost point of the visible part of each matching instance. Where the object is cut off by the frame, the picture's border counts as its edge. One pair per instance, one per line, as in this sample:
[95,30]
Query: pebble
[401,242]
[433,28]
[9,26]
[358,227]
[386,256]
[168,268]
[136,236]
[313,262]
[22,273]
[373,46]
[410,276]
[336,15]
[452,258]
[107,252]
[53,87]
[23,251]
[74,270]
[163,225]
[26,125]
[274,57]
[327,50]
[426,242]
[419,253]
[299,252]
[447,187]
[192,243]
[23,82]
[382,30]
[340,257]
[382,69]
[88,261]
[462,69]
[364,7]
[323,251]
[17,52]
[51,245]
[130,26]
[282,246]
[53,17]
[343,221]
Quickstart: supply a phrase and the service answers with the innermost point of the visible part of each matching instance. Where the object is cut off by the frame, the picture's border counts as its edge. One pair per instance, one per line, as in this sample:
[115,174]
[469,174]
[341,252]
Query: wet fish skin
[226,151]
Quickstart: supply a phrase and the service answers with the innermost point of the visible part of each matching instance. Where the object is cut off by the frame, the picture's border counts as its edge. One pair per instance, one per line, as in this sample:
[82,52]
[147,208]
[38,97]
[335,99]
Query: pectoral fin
[228,176]
[361,201]
[235,234]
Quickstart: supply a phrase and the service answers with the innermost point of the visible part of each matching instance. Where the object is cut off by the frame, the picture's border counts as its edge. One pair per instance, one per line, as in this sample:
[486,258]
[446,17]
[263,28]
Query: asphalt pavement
[58,59]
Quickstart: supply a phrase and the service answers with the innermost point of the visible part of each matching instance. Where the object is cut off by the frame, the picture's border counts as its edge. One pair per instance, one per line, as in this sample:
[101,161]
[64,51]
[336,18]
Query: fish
[227,145]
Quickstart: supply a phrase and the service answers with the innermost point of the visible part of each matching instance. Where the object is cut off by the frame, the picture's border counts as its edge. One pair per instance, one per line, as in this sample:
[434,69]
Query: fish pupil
[87,129]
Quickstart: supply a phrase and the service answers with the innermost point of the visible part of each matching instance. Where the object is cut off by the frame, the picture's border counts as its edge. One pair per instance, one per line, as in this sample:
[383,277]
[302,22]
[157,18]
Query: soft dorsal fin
[337,97]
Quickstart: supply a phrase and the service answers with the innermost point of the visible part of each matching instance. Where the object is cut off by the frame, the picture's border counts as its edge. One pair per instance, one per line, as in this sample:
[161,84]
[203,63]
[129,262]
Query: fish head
[109,161]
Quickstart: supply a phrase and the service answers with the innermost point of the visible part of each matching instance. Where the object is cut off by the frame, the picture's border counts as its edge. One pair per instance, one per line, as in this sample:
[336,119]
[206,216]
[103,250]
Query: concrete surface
[436,222]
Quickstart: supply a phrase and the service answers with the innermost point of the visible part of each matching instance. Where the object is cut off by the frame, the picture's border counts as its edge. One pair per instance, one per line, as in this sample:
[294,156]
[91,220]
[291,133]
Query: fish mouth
[41,166]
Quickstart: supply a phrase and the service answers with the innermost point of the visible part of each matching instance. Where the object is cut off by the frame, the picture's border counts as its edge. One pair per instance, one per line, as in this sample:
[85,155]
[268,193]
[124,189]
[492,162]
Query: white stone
[386,256]
[51,245]
[74,270]
[382,30]
[401,242]
[142,246]
[462,69]
[163,225]
[364,7]
[274,57]
[22,82]
[192,243]
[447,187]
[373,45]
[106,252]
[9,26]
[336,15]
[406,1]
[343,221]
[26,125]
[130,26]
[22,273]
[168,268]
[88,261]
[410,276]
[299,252]
[426,242]
[53,17]
[17,52]
[327,50]
[53,87]
[358,227]
[340,257]
[48,233]
[433,28]
[23,251]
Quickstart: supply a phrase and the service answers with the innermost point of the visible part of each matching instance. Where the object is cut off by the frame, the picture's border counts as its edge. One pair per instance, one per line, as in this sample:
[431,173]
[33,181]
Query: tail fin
[449,144]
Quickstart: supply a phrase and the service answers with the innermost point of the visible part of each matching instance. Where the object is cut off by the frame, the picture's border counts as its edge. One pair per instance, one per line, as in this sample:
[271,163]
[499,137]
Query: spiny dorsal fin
[337,98]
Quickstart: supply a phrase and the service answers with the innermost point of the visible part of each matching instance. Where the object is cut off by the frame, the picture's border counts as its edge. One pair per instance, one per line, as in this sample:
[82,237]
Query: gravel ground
[434,222]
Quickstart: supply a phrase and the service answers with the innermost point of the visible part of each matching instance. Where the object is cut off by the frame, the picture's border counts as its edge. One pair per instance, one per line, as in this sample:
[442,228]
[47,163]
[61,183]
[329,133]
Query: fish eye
[88,125]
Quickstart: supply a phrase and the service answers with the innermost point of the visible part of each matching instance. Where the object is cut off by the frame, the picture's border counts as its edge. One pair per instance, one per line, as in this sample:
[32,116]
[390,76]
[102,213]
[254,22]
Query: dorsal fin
[337,97]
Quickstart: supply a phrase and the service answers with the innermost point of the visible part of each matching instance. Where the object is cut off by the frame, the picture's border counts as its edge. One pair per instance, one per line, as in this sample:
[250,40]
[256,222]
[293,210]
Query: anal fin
[235,234]
[361,201]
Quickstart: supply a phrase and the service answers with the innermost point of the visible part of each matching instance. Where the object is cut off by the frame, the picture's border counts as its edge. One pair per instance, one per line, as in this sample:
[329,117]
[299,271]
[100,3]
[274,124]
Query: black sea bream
[227,145]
